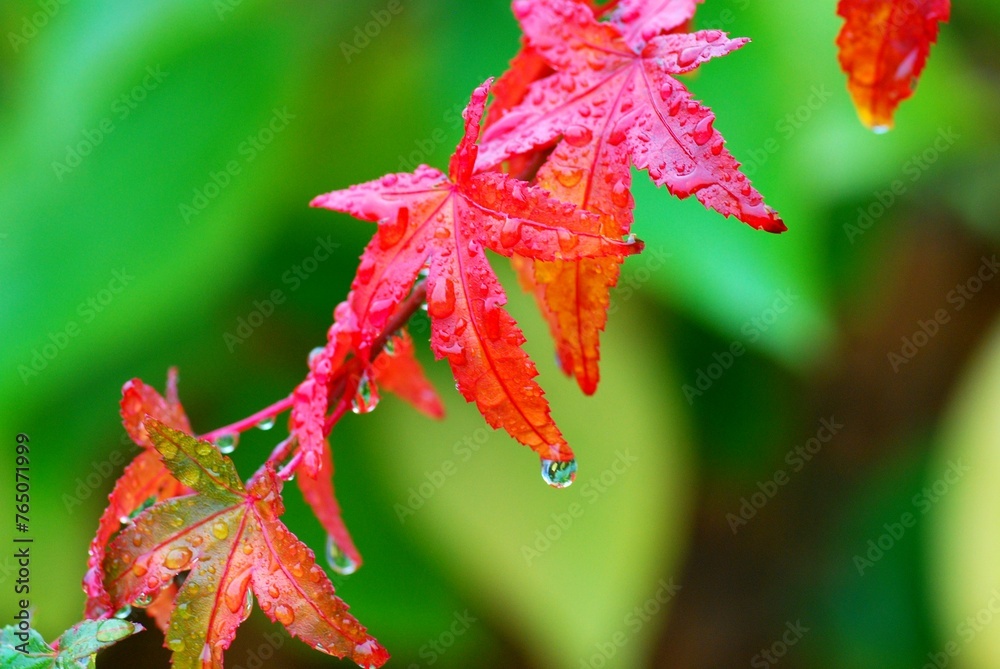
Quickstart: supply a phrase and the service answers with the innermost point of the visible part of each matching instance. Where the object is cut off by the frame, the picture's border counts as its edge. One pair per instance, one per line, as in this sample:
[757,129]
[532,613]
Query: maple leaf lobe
[883,48]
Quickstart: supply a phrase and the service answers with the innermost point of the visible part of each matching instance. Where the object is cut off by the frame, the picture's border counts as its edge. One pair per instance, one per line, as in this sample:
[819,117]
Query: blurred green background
[717,528]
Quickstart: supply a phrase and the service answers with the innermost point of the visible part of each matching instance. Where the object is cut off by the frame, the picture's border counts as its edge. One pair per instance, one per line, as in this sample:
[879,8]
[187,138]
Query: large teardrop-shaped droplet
[366,398]
[559,473]
[338,560]
[247,605]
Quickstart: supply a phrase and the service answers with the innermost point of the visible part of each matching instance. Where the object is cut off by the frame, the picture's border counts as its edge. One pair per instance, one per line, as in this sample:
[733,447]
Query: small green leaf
[75,648]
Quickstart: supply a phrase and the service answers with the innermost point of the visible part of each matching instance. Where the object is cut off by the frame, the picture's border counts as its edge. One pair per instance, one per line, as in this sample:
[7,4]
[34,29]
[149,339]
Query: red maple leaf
[611,102]
[445,222]
[144,481]
[884,46]
[229,540]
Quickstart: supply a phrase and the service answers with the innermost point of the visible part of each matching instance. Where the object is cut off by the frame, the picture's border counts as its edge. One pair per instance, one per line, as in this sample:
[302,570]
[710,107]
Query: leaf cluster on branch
[546,181]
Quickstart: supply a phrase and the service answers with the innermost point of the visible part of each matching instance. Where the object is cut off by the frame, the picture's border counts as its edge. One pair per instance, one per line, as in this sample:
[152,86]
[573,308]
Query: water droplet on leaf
[578,135]
[703,131]
[189,476]
[168,449]
[284,614]
[220,530]
[689,55]
[177,559]
[442,299]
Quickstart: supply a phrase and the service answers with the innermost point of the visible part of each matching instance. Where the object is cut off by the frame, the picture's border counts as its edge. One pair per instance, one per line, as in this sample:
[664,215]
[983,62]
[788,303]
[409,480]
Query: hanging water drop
[390,346]
[366,398]
[559,473]
[247,605]
[123,612]
[143,601]
[227,443]
[339,561]
[266,424]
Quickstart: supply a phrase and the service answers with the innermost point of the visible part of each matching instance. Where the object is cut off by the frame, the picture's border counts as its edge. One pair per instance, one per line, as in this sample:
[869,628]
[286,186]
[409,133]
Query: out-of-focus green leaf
[565,568]
[964,545]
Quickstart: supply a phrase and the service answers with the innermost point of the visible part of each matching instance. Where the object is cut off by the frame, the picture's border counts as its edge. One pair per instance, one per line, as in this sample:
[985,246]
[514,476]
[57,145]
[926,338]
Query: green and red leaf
[229,540]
